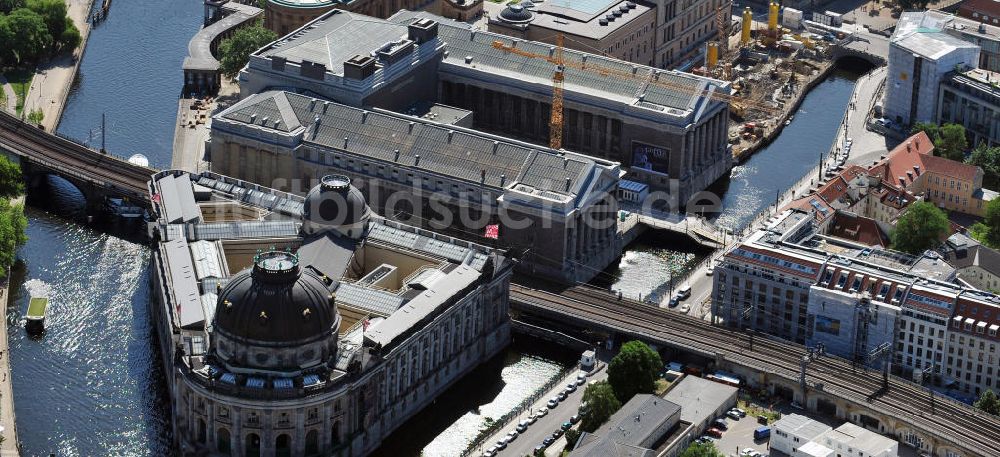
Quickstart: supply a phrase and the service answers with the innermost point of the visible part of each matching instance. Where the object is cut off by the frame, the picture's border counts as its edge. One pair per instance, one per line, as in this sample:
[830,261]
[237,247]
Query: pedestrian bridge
[96,174]
[697,228]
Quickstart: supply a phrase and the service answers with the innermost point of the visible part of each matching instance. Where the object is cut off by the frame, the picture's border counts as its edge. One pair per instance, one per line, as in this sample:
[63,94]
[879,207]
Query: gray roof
[964,252]
[699,398]
[327,253]
[200,47]
[451,151]
[635,423]
[924,34]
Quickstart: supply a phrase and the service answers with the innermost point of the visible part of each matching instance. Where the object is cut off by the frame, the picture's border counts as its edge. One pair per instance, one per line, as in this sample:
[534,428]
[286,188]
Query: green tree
[930,128]
[706,449]
[987,158]
[13,225]
[70,37]
[36,116]
[54,14]
[28,35]
[911,5]
[951,142]
[921,227]
[988,231]
[634,370]
[6,6]
[572,436]
[601,404]
[988,402]
[11,179]
[235,51]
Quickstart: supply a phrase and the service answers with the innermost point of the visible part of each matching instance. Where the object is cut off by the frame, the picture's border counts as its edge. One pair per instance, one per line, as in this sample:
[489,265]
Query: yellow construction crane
[559,76]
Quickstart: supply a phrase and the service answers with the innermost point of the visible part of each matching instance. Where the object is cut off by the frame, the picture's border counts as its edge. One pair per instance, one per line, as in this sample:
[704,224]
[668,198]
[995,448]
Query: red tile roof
[856,228]
[913,157]
[990,7]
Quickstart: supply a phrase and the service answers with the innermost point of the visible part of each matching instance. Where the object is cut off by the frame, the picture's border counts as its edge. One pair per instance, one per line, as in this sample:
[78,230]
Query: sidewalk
[50,86]
[10,98]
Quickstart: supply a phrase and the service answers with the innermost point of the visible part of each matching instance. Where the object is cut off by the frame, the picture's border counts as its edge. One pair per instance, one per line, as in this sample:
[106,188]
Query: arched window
[222,441]
[283,446]
[252,445]
[312,443]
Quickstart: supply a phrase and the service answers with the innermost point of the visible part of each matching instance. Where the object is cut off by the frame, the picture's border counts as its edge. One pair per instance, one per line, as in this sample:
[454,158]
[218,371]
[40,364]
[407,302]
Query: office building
[309,326]
[921,53]
[972,99]
[799,436]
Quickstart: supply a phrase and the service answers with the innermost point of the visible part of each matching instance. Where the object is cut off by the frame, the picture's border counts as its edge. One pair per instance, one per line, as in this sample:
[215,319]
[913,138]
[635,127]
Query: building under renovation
[664,126]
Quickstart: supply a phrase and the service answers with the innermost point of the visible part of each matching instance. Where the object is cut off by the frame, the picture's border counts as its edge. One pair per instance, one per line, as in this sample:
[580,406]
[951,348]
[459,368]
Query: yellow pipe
[747,25]
[713,55]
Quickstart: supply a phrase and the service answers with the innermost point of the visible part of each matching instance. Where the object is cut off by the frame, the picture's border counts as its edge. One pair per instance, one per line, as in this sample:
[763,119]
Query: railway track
[976,432]
[73,160]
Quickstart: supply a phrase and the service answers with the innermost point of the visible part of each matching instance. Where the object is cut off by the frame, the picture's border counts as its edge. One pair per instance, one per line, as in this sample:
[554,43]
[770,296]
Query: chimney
[503,179]
[482,175]
[416,160]
[396,155]
[422,30]
[568,183]
[359,67]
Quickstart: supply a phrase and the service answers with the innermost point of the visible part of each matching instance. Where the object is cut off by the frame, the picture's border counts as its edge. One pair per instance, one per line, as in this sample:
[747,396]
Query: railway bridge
[935,425]
[96,174]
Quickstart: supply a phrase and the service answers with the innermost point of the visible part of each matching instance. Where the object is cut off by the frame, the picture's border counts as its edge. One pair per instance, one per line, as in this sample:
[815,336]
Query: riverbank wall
[52,82]
[10,446]
[789,109]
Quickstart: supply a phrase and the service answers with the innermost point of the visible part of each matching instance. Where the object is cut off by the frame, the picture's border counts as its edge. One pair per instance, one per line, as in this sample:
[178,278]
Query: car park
[553,402]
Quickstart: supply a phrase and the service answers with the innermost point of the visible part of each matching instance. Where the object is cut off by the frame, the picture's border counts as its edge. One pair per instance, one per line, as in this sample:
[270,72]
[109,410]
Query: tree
[572,436]
[987,158]
[634,370]
[601,404]
[910,5]
[951,142]
[235,51]
[6,6]
[988,231]
[930,128]
[53,12]
[706,449]
[12,233]
[70,37]
[29,35]
[921,227]
[988,402]
[11,179]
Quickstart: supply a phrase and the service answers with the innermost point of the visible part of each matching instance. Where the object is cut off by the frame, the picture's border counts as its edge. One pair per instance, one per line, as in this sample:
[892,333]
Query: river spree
[92,385]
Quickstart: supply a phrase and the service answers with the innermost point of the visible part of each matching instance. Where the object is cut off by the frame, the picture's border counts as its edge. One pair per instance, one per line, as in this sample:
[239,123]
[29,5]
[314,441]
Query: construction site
[771,67]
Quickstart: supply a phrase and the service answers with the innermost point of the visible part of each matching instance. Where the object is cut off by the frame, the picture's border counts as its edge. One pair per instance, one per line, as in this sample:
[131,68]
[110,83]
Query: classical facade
[557,208]
[309,327]
[663,125]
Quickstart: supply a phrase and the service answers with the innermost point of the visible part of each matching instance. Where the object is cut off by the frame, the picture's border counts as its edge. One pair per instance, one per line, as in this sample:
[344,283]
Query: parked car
[539,449]
[511,436]
[583,408]
[548,441]
[749,452]
[761,433]
[574,418]
[714,432]
[674,301]
[502,443]
[721,424]
[733,415]
[562,395]
[571,387]
[581,378]
[740,412]
[684,308]
[541,412]
[703,439]
[523,426]
[553,402]
[556,434]
[566,425]
[762,419]
[710,270]
[490,452]
[532,418]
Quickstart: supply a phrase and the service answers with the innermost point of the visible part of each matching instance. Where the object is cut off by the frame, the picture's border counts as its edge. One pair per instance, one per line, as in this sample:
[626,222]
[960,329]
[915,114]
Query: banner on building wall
[651,158]
[826,325]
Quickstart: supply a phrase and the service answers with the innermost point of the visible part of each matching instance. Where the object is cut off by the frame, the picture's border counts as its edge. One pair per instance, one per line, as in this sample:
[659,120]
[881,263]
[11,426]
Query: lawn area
[662,386]
[20,80]
[755,410]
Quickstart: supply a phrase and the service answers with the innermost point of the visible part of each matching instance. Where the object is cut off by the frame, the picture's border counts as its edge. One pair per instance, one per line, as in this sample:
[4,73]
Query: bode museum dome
[294,326]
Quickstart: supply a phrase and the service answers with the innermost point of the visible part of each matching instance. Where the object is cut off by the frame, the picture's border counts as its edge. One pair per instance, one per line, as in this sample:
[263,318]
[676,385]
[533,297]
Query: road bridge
[935,425]
[96,174]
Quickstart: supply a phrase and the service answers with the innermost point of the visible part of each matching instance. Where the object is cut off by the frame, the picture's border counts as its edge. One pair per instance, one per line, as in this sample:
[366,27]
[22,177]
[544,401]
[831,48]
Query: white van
[684,291]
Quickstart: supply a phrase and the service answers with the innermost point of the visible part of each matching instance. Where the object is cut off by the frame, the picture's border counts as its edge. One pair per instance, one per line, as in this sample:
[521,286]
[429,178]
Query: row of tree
[13,223]
[33,29]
